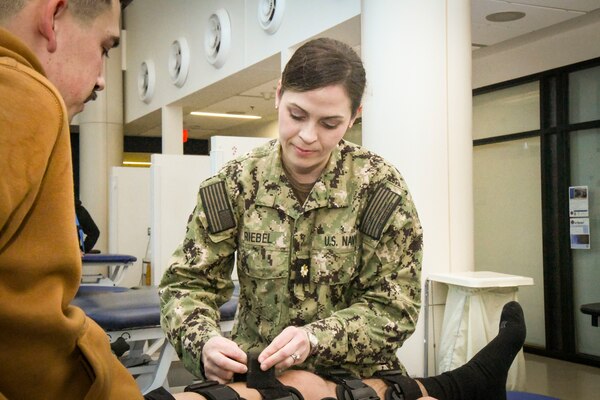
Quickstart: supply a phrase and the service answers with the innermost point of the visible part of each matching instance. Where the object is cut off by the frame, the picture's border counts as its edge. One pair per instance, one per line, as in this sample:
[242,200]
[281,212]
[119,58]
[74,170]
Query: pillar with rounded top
[417,115]
[101,146]
[172,129]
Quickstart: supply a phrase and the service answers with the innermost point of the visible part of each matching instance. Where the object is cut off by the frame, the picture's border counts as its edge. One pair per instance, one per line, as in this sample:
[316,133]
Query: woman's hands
[222,358]
[290,347]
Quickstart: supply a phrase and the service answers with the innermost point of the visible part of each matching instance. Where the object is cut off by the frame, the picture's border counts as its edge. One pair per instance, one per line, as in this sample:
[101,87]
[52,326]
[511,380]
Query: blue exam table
[131,319]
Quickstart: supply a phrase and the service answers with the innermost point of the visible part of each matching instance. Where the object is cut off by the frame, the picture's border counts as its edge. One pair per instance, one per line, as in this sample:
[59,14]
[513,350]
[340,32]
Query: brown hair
[88,10]
[8,8]
[84,10]
[323,62]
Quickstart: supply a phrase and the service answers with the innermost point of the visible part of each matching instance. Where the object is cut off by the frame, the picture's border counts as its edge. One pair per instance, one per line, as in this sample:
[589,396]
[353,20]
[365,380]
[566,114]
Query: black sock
[484,376]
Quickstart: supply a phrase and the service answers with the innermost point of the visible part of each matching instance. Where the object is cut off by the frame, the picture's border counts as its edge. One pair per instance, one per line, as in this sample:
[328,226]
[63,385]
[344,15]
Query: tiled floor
[547,376]
[561,379]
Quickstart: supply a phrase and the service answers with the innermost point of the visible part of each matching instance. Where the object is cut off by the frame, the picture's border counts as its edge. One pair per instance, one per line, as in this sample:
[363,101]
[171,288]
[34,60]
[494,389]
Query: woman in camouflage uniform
[328,242]
[327,236]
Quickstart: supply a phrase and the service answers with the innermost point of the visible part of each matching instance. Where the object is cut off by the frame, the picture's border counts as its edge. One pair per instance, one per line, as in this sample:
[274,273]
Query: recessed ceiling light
[505,16]
[225,115]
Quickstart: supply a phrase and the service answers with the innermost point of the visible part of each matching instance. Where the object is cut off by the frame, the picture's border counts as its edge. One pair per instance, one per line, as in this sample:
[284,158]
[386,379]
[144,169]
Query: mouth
[302,151]
[91,97]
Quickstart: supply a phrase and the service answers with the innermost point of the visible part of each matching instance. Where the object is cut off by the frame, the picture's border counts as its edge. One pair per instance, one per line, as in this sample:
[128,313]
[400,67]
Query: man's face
[76,68]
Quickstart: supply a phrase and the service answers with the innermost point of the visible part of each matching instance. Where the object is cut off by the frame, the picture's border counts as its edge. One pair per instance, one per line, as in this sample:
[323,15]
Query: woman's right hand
[222,358]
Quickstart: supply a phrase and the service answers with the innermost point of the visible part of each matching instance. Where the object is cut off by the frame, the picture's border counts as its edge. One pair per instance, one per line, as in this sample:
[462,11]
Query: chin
[73,111]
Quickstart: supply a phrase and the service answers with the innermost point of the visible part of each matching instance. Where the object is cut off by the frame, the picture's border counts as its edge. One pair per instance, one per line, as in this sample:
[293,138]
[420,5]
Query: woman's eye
[330,123]
[297,117]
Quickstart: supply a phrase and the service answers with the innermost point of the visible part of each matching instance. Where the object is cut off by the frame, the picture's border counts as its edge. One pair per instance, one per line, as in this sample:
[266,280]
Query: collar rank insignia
[302,271]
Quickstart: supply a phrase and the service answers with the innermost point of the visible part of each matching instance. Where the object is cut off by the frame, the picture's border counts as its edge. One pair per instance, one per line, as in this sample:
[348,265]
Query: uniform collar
[329,191]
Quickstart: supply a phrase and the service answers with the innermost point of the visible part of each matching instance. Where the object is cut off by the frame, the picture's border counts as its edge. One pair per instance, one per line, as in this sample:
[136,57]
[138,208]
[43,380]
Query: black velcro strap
[213,390]
[266,383]
[349,387]
[216,205]
[400,386]
[381,206]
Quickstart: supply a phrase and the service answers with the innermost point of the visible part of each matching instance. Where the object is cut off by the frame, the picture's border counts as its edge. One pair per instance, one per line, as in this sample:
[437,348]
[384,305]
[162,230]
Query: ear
[278,94]
[52,9]
[358,111]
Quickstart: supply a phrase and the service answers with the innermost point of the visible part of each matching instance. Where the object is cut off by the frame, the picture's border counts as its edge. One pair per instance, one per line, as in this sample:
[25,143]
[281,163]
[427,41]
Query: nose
[100,83]
[308,134]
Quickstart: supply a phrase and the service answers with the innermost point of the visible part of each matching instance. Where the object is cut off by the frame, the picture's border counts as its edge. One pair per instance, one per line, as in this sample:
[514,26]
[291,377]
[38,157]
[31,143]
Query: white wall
[571,42]
[151,31]
[175,180]
[129,216]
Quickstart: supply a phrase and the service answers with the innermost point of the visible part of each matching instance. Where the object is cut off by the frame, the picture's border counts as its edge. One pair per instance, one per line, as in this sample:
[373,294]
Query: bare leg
[483,377]
[313,387]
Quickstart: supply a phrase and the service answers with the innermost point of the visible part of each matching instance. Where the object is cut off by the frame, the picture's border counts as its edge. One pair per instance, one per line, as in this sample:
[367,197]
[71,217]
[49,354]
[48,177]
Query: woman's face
[311,124]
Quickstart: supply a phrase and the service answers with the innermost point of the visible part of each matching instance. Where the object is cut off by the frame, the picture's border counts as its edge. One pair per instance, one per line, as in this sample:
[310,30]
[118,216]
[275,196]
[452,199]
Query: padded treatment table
[117,265]
[592,309]
[527,396]
[131,319]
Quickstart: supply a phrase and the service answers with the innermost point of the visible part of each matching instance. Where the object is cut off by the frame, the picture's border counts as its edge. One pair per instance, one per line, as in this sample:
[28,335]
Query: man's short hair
[8,8]
[85,10]
[88,10]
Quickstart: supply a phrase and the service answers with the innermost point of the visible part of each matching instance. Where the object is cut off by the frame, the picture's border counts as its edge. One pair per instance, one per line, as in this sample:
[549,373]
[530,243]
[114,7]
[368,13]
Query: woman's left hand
[289,348]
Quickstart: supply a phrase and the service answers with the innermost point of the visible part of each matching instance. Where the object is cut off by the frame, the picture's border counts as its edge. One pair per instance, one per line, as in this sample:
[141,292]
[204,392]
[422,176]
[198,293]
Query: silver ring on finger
[295,357]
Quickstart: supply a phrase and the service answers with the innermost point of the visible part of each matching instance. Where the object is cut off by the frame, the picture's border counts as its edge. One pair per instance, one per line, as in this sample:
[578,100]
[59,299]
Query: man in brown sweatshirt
[51,62]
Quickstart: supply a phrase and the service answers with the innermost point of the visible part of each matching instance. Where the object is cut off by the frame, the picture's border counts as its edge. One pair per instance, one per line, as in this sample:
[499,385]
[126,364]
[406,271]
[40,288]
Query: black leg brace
[349,387]
[267,384]
[213,390]
[401,387]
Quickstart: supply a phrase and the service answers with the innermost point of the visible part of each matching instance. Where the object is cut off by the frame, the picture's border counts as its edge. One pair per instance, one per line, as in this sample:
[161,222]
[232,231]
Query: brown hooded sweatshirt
[48,349]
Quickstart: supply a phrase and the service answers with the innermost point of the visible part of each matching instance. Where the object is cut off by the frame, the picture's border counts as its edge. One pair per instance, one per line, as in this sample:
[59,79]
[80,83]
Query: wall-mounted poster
[580,233]
[578,201]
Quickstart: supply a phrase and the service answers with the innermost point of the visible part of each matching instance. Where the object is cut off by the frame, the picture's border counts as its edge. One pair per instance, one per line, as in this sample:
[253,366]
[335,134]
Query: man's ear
[47,22]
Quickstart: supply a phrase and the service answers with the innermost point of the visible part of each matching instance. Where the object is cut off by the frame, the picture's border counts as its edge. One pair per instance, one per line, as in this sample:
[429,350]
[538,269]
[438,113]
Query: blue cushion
[85,289]
[228,309]
[527,396]
[108,258]
[116,308]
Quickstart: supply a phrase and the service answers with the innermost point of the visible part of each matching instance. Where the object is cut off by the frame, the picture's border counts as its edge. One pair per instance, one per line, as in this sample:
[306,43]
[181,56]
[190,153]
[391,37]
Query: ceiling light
[506,16]
[225,115]
[137,163]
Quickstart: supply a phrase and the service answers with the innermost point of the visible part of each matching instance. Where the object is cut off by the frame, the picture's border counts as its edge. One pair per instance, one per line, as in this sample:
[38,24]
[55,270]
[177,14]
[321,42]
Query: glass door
[584,108]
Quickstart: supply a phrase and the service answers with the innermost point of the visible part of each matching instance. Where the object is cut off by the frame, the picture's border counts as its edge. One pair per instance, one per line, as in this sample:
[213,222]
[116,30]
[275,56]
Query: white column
[172,129]
[101,146]
[460,143]
[417,115]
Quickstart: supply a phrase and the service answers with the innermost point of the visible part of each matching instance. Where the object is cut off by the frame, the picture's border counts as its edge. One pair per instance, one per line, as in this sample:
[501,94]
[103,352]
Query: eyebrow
[328,117]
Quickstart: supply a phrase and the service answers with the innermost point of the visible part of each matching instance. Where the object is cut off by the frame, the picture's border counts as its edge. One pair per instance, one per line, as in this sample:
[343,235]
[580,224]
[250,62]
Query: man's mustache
[93,96]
